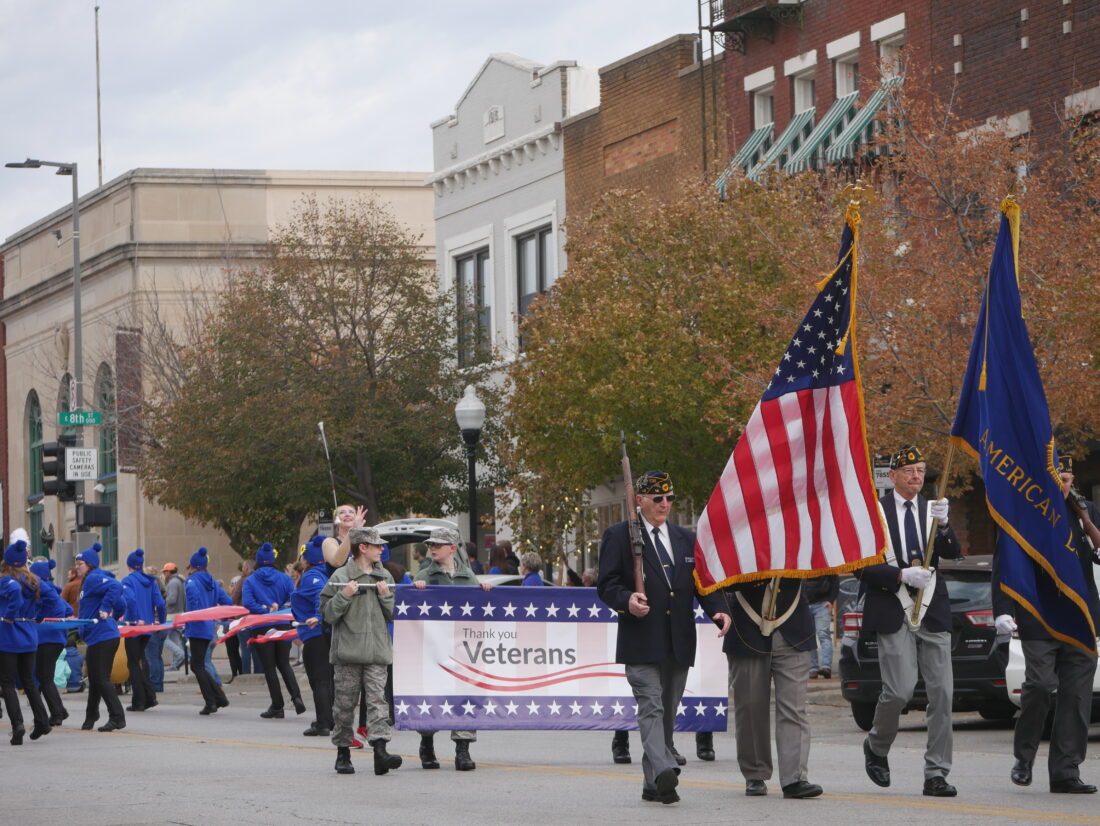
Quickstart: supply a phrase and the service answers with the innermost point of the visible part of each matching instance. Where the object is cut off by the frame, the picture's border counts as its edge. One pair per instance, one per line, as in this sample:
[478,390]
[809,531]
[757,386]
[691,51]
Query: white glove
[916,577]
[1005,625]
[938,510]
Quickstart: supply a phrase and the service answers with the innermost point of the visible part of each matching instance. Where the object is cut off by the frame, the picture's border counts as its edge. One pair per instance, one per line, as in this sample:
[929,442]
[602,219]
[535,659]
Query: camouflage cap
[443,536]
[365,536]
[653,482]
[906,455]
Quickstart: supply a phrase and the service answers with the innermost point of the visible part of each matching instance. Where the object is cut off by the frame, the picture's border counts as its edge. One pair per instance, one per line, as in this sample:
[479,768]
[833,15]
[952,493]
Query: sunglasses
[659,499]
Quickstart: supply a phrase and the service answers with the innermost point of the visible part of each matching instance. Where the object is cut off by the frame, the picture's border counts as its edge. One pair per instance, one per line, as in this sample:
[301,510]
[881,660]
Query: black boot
[463,761]
[343,760]
[704,745]
[427,752]
[299,706]
[620,747]
[383,760]
[272,713]
[17,732]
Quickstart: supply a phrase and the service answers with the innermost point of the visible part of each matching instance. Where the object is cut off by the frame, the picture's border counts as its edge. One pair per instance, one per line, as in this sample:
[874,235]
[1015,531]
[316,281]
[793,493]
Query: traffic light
[53,465]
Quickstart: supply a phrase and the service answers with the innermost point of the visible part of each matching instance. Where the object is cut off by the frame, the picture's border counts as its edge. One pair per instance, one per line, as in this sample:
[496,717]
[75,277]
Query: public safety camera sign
[81,464]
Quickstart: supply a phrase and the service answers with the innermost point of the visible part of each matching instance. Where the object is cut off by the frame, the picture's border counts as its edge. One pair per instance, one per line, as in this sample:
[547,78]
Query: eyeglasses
[659,499]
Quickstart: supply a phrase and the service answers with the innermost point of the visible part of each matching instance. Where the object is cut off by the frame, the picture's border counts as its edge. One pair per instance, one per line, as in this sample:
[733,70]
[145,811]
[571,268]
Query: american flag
[797,497]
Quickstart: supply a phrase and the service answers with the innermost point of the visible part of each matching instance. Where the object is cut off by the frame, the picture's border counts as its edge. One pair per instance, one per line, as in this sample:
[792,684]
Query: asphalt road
[171,766]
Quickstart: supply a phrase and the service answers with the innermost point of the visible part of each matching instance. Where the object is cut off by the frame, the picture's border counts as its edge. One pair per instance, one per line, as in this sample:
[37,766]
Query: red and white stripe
[796,495]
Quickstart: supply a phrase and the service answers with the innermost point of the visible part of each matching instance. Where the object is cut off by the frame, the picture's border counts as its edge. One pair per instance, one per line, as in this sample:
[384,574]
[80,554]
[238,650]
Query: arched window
[108,459]
[33,444]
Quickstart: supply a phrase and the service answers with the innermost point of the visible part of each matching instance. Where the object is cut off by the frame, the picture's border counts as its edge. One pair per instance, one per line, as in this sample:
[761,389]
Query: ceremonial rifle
[1076,504]
[930,546]
[633,520]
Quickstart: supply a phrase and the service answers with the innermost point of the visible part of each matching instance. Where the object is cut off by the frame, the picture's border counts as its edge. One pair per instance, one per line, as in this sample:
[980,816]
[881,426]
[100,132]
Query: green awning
[860,130]
[834,122]
[797,131]
[747,156]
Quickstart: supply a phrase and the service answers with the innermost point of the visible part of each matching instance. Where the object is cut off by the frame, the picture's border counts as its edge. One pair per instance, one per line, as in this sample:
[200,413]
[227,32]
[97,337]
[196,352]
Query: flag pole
[930,546]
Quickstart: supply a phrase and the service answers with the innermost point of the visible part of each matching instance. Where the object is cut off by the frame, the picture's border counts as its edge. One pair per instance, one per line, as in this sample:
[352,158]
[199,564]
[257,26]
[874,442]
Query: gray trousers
[751,681]
[1050,665]
[902,656]
[348,680]
[658,688]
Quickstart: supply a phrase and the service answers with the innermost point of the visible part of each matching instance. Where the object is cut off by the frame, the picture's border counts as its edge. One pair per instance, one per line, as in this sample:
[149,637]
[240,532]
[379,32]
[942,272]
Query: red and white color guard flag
[797,497]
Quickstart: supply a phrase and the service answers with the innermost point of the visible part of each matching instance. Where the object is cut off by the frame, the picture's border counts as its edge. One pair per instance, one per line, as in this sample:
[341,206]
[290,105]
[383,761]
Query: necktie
[662,554]
[912,538]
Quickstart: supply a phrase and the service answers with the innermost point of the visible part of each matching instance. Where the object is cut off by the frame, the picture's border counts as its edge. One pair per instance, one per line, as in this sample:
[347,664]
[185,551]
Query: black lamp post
[470,415]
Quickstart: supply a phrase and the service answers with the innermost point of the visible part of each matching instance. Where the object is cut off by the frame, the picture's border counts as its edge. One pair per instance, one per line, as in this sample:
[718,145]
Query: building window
[33,445]
[763,107]
[890,57]
[804,92]
[472,278]
[532,266]
[847,75]
[108,459]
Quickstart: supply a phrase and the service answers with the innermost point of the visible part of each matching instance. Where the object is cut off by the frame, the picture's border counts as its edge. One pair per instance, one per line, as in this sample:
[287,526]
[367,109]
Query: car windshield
[968,587]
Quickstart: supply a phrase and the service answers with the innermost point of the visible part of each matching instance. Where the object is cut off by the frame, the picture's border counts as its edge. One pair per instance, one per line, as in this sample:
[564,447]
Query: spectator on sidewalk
[821,593]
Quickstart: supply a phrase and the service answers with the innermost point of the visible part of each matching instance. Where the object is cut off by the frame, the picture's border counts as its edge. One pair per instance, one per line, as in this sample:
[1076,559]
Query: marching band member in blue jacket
[144,604]
[267,591]
[203,591]
[51,641]
[100,597]
[19,594]
[305,602]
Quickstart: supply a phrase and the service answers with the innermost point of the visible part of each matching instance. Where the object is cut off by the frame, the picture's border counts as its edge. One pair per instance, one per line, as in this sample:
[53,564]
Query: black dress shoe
[150,703]
[801,789]
[17,732]
[755,788]
[620,748]
[316,731]
[666,782]
[878,768]
[272,714]
[135,708]
[221,702]
[88,724]
[680,759]
[208,709]
[704,746]
[112,725]
[938,787]
[1021,773]
[40,729]
[299,706]
[1071,785]
[653,796]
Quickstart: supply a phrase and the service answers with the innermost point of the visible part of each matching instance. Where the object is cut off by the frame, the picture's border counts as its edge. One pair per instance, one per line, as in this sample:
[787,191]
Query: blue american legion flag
[1004,423]
[797,496]
[529,658]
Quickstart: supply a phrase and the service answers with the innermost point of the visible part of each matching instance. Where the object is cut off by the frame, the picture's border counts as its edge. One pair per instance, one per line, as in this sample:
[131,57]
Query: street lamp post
[78,350]
[470,415]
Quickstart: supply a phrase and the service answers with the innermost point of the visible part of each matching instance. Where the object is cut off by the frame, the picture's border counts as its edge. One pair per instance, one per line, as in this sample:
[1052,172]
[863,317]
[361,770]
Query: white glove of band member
[1005,624]
[916,577]
[938,509]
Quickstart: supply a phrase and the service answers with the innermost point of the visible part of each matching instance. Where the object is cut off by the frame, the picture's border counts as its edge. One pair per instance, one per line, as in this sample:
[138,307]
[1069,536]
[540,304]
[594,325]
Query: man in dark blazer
[758,654]
[656,637]
[905,652]
[1051,664]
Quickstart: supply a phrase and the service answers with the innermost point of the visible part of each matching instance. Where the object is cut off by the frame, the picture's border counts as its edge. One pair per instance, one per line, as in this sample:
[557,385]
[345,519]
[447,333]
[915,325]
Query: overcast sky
[269,84]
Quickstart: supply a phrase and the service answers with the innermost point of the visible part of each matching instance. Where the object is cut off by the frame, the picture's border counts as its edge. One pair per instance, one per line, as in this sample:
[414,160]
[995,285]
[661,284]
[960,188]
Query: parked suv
[977,657]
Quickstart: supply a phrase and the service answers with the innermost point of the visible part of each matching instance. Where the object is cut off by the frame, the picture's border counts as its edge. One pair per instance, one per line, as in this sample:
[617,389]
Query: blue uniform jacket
[52,606]
[203,591]
[17,602]
[144,602]
[266,587]
[305,602]
[100,592]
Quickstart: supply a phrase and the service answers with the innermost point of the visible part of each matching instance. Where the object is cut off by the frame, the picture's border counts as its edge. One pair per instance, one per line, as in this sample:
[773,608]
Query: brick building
[647,132]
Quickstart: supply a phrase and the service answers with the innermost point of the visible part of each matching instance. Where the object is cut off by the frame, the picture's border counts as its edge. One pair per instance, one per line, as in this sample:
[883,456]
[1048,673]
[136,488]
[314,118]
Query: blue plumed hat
[265,556]
[16,554]
[199,559]
[136,560]
[42,569]
[90,557]
[312,553]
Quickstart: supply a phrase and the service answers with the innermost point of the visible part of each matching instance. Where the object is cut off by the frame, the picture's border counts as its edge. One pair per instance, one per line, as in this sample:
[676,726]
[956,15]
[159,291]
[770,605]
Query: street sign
[81,464]
[78,418]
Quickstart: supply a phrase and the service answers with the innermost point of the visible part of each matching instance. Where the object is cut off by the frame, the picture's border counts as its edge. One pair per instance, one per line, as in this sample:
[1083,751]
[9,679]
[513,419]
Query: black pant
[141,686]
[212,693]
[233,651]
[21,664]
[100,658]
[45,661]
[276,657]
[319,673]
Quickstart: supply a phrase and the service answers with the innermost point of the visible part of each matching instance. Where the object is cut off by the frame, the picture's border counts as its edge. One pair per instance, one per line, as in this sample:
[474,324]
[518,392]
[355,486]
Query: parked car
[506,579]
[978,658]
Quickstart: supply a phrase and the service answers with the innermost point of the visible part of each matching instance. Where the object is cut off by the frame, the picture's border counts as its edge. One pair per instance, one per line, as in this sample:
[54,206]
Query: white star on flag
[680,710]
[447,708]
[490,707]
[698,612]
[701,709]
[511,708]
[488,609]
[554,707]
[593,610]
[445,609]
[425,708]
[467,609]
[533,708]
[424,608]
[575,707]
[401,708]
[530,609]
[617,707]
[720,709]
[597,708]
[403,608]
[468,707]
[509,610]
[552,610]
[574,610]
